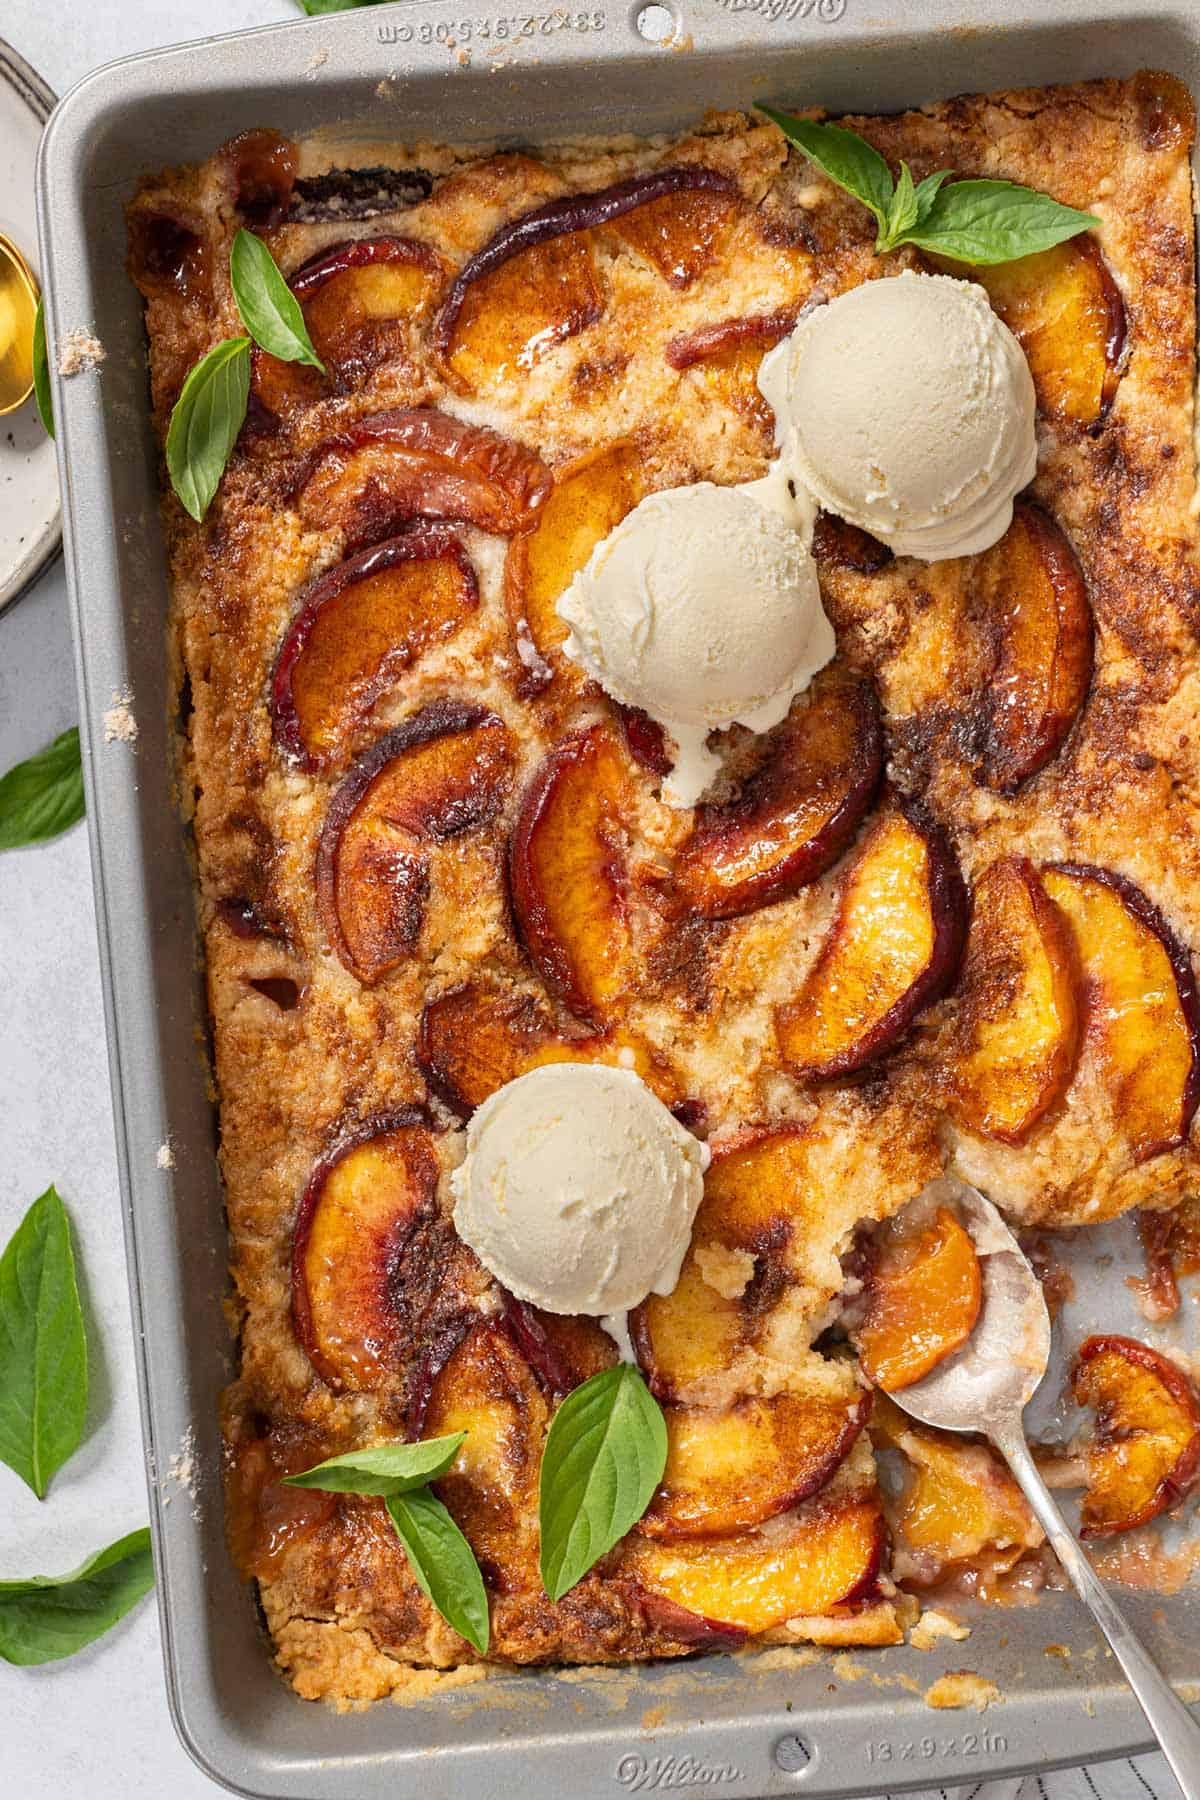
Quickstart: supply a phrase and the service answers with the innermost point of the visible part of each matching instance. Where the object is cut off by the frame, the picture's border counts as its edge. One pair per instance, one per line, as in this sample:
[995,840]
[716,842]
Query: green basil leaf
[971,221]
[43,1350]
[443,1563]
[42,795]
[902,213]
[47,1617]
[270,311]
[995,221]
[605,1454]
[205,423]
[845,157]
[927,192]
[910,207]
[314,7]
[384,1469]
[41,371]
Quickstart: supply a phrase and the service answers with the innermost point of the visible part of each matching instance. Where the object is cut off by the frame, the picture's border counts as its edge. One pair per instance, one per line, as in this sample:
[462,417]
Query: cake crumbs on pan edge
[960,1688]
[933,1626]
[81,350]
[120,726]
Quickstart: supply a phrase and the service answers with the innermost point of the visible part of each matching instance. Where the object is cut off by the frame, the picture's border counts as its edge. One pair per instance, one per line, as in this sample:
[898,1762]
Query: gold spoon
[18,308]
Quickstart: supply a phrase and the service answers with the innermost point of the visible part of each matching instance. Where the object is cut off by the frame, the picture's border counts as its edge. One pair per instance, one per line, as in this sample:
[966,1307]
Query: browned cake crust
[311,1046]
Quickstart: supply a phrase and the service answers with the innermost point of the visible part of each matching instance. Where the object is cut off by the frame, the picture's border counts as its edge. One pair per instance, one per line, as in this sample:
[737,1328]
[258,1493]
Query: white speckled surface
[96,1725]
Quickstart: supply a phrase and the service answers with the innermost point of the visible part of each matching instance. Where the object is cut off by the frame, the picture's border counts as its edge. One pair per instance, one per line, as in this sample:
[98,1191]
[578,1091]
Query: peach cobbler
[550,728]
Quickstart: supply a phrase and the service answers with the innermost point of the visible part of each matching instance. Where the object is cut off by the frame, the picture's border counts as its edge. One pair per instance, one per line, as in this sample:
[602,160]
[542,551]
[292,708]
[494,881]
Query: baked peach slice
[590,497]
[513,315]
[358,300]
[691,1333]
[360,624]
[475,1038]
[924,1291]
[415,462]
[1146,1452]
[1171,1243]
[568,875]
[444,772]
[570,217]
[827,1554]
[1066,312]
[722,337]
[728,354]
[892,949]
[681,1626]
[487,1389]
[646,740]
[259,169]
[562,1349]
[1018,1025]
[752,1192]
[1141,1007]
[732,1468]
[1030,591]
[680,234]
[169,251]
[1158,1291]
[957,1500]
[264,1517]
[363,1234]
[795,813]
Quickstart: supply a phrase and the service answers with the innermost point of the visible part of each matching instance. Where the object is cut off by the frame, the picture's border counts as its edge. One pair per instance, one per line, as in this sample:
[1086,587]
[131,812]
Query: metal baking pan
[735,1726]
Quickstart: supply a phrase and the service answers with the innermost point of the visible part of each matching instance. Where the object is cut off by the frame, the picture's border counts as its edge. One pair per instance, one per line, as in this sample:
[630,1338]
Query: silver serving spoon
[986,1387]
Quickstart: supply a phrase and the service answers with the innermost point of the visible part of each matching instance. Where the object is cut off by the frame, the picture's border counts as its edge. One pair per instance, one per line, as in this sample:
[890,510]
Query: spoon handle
[1177,1731]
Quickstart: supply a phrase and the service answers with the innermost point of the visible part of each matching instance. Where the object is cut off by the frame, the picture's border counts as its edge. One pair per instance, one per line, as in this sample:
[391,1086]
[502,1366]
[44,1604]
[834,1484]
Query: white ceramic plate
[30,519]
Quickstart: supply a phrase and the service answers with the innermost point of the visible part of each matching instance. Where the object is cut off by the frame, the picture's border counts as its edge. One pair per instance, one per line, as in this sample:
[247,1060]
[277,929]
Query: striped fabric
[1125,1778]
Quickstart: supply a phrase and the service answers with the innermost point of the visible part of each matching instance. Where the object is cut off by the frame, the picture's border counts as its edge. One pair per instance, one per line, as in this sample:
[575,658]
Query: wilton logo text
[664,1774]
[827,12]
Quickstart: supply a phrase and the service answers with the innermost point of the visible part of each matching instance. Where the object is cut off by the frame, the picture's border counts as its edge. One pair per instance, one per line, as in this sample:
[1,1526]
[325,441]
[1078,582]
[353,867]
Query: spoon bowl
[18,309]
[996,1372]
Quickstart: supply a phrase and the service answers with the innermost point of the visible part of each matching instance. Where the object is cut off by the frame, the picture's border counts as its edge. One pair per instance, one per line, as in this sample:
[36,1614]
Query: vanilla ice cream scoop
[579,1189]
[702,609]
[906,407]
